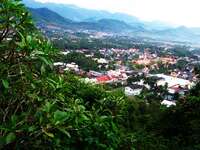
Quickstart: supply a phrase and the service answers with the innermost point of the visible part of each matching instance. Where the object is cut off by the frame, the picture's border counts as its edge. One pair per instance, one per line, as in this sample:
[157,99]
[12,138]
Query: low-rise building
[168,103]
[105,79]
[173,81]
[133,90]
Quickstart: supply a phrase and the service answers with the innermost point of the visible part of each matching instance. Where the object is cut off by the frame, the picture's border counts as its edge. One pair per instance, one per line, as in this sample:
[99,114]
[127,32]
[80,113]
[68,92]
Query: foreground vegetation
[41,109]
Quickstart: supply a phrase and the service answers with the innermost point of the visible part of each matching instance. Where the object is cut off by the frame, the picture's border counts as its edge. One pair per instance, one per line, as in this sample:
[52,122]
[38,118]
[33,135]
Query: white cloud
[181,12]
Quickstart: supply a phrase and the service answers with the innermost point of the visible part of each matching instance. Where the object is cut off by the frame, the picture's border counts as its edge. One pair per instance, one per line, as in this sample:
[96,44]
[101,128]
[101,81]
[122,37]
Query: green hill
[44,15]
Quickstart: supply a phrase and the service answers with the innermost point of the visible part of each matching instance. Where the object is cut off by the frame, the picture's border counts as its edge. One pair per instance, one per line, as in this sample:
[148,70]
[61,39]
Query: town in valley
[164,69]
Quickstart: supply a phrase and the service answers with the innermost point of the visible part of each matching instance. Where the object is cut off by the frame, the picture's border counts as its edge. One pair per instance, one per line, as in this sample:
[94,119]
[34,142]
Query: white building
[102,61]
[168,103]
[65,53]
[173,81]
[59,64]
[72,66]
[87,80]
[132,92]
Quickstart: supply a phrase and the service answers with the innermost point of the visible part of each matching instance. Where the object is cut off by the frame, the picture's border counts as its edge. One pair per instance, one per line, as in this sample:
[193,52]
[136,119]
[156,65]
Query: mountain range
[48,17]
[73,17]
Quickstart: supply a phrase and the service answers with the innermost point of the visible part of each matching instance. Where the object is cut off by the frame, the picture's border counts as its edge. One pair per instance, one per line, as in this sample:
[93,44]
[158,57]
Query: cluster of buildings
[178,81]
[174,86]
[62,67]
[111,76]
[152,59]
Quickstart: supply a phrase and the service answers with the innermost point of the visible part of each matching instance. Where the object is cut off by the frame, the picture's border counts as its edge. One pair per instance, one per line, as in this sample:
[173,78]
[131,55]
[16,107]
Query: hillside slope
[46,16]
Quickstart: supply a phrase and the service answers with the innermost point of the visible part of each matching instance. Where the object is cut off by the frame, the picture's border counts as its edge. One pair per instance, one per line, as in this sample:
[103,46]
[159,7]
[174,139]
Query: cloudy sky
[179,12]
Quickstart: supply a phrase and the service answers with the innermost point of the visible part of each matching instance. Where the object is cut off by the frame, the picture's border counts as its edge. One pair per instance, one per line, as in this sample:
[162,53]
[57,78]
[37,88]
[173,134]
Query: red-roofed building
[176,89]
[104,79]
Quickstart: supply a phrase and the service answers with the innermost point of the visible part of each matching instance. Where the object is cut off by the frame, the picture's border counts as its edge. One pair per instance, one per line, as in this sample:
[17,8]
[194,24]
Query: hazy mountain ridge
[80,14]
[73,17]
[46,16]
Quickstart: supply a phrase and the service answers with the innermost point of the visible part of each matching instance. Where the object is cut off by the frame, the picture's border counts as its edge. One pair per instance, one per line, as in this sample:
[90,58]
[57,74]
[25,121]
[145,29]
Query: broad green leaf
[21,44]
[37,53]
[29,38]
[60,116]
[48,134]
[10,138]
[42,69]
[5,83]
[65,132]
[46,61]
[48,107]
[31,128]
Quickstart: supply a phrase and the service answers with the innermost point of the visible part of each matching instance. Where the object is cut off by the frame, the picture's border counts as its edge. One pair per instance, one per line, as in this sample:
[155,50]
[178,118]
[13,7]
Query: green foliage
[133,79]
[181,51]
[44,15]
[137,67]
[80,59]
[15,21]
[181,64]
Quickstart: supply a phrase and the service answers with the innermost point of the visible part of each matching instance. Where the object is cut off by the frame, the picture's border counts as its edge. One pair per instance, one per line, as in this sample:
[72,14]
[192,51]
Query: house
[141,83]
[142,61]
[102,61]
[115,73]
[87,80]
[177,89]
[145,70]
[105,79]
[168,103]
[168,60]
[173,81]
[72,66]
[59,64]
[65,52]
[94,74]
[133,90]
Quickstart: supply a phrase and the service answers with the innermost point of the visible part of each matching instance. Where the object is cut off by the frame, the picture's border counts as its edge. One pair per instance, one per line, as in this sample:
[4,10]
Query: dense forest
[42,109]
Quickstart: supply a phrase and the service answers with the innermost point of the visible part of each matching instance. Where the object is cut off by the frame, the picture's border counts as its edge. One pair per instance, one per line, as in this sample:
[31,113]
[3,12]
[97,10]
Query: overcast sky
[179,12]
